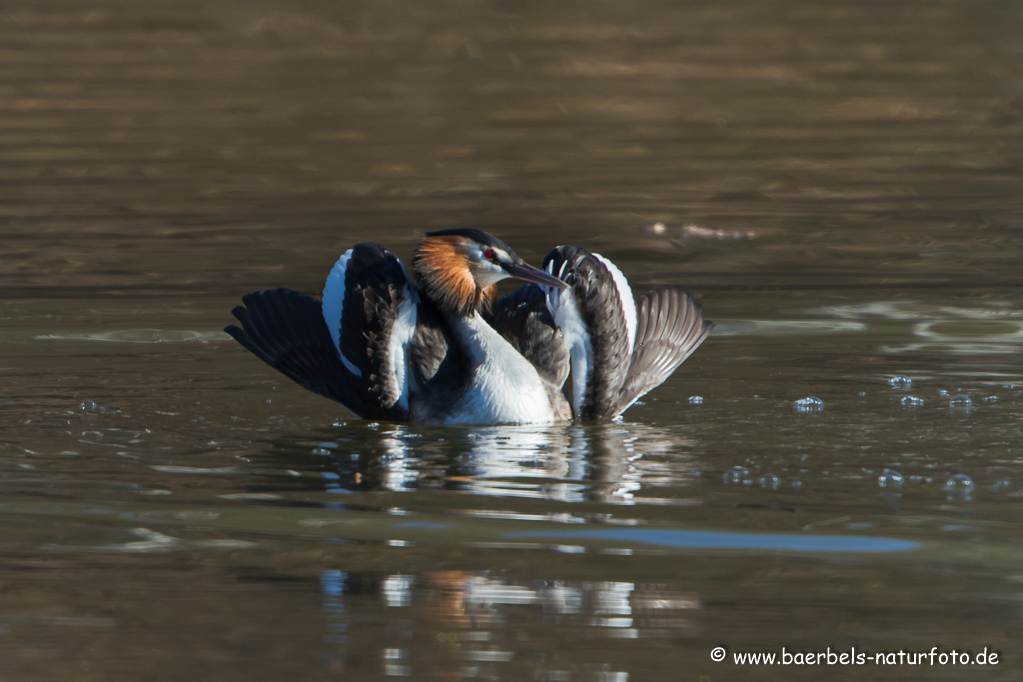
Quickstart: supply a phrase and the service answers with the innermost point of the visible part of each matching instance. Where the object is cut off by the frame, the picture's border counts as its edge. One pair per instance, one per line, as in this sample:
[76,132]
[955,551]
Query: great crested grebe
[447,351]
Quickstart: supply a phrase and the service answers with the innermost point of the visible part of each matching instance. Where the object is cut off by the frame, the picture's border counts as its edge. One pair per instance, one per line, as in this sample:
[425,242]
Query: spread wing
[285,329]
[370,309]
[620,348]
[670,326]
[597,316]
[370,345]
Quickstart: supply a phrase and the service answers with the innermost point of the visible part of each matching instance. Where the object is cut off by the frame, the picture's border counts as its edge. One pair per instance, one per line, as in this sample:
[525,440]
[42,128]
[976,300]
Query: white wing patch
[565,311]
[401,337]
[625,296]
[333,304]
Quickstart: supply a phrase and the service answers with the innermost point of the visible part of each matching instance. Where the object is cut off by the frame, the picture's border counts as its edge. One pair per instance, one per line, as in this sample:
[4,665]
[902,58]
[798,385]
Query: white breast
[504,387]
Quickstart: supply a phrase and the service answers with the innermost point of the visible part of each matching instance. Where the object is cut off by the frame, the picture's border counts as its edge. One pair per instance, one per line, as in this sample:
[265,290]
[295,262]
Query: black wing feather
[375,287]
[285,329]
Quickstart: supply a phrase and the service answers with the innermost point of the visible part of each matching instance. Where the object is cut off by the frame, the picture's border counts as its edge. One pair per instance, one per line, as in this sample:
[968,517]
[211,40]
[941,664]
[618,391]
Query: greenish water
[840,186]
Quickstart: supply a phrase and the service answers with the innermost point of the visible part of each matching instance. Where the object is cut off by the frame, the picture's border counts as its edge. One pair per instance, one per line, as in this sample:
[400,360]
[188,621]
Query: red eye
[490,254]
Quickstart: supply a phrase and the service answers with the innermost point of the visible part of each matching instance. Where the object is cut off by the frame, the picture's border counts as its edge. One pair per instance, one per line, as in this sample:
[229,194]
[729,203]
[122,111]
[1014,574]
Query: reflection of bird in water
[446,351]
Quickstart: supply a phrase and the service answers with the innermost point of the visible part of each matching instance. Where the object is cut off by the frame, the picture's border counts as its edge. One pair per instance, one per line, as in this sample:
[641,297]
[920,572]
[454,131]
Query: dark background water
[840,185]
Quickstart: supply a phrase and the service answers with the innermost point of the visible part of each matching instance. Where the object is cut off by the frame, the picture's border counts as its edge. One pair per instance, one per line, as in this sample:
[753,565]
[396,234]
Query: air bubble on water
[88,406]
[1000,484]
[989,399]
[322,452]
[863,394]
[269,400]
[735,475]
[900,381]
[809,404]
[695,400]
[797,484]
[770,482]
[912,401]
[959,487]
[960,403]
[748,481]
[890,478]
[942,393]
[1009,387]
[916,479]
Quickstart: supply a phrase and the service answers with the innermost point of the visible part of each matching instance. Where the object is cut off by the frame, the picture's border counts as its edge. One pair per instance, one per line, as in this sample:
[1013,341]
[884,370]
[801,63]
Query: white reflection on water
[467,615]
[994,329]
[919,310]
[784,327]
[571,465]
[616,464]
[144,336]
[399,464]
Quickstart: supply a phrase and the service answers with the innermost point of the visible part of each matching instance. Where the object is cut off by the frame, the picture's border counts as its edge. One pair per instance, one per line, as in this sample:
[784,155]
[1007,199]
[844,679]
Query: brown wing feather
[669,327]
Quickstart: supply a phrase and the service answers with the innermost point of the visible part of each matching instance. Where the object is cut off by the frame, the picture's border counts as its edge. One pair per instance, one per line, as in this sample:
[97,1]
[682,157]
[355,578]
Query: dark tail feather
[285,329]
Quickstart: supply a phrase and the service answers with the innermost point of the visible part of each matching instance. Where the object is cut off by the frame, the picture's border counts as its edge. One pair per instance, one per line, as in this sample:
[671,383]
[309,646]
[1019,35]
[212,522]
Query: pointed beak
[527,273]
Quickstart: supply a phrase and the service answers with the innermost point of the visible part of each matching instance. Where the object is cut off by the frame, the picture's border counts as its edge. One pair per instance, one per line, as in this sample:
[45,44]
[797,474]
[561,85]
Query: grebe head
[459,269]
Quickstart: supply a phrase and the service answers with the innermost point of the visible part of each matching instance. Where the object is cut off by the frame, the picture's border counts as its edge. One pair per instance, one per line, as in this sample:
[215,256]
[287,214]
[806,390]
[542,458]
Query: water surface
[839,185]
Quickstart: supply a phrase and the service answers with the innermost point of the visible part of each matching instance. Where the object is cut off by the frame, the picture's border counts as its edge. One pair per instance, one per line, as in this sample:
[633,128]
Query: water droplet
[960,403]
[959,487]
[770,482]
[88,406]
[797,484]
[989,399]
[912,401]
[269,400]
[809,404]
[863,394]
[1000,484]
[1008,387]
[900,381]
[696,400]
[890,479]
[322,452]
[942,393]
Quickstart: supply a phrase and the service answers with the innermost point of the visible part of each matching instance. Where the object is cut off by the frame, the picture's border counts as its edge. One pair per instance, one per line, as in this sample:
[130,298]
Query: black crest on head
[478,236]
